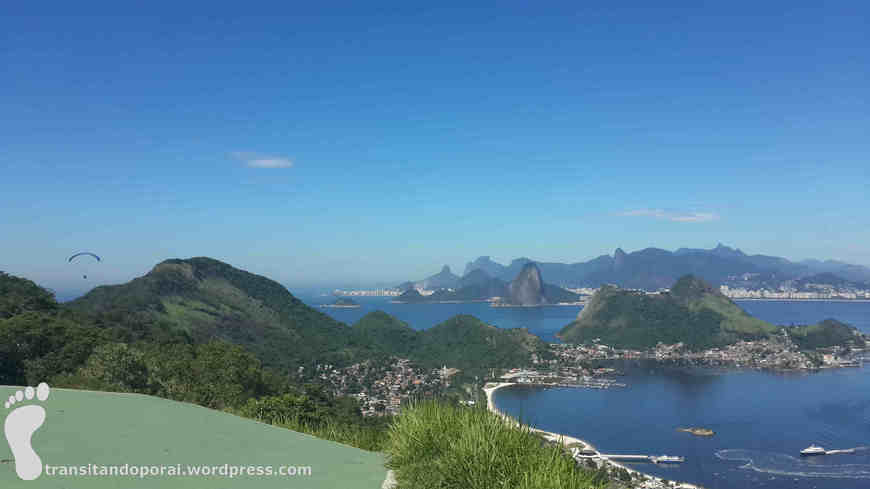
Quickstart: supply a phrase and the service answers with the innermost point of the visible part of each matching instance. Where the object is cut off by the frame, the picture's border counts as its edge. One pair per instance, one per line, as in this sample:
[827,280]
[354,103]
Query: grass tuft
[437,445]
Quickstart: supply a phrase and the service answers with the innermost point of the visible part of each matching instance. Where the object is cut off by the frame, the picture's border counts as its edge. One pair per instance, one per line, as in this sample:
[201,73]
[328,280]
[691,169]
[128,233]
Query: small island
[342,302]
[698,431]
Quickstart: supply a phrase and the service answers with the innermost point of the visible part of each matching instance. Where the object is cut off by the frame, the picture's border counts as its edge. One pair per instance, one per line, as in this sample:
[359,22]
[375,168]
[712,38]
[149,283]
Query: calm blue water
[762,420]
[542,321]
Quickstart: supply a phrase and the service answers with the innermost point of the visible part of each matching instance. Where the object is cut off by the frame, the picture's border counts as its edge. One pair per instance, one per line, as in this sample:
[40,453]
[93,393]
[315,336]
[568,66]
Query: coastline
[776,299]
[567,441]
[555,304]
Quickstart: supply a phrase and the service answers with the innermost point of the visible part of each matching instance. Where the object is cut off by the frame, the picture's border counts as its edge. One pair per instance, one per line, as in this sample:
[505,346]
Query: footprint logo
[20,426]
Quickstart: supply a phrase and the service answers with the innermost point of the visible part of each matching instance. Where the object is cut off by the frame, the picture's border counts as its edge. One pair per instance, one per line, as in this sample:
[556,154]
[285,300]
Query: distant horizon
[69,293]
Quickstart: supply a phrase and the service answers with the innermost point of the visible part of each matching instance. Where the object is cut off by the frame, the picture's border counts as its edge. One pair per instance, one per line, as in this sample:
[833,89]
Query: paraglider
[84,253]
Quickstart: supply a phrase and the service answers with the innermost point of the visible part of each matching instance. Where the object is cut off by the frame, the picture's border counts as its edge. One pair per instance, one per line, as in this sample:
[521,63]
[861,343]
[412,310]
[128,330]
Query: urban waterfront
[761,419]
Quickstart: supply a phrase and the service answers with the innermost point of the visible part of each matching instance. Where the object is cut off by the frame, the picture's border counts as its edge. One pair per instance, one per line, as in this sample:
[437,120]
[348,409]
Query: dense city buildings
[786,293]
[382,386]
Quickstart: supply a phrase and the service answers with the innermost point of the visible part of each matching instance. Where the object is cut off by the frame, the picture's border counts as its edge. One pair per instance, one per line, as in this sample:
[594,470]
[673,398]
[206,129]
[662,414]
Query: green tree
[226,375]
[19,295]
[36,346]
[117,366]
[170,370]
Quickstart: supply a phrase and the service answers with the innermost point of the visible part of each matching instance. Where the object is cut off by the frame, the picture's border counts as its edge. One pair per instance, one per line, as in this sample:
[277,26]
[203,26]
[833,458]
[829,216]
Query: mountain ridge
[655,268]
[527,288]
[206,299]
[210,299]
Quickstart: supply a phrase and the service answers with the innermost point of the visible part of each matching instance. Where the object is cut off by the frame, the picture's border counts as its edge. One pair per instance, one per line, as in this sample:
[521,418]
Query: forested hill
[463,342]
[208,299]
[693,313]
[19,295]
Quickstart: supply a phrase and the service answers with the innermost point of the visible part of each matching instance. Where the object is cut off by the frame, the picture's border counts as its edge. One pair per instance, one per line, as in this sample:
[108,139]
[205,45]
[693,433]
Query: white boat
[813,450]
[667,459]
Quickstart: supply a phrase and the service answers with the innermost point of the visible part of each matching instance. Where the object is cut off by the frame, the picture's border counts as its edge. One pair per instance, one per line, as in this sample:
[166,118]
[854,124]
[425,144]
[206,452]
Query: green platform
[116,429]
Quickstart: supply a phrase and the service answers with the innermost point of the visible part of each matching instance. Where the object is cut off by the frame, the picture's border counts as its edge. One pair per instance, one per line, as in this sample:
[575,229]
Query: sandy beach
[568,441]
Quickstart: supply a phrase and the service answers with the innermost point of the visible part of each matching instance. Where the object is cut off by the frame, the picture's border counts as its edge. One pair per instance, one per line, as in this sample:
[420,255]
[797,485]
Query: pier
[650,458]
[578,454]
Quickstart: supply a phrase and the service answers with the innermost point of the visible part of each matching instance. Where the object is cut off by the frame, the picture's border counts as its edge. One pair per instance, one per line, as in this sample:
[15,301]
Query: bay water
[761,419]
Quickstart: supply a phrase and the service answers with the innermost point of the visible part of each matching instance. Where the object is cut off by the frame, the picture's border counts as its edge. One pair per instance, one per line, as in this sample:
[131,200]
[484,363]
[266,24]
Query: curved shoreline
[567,441]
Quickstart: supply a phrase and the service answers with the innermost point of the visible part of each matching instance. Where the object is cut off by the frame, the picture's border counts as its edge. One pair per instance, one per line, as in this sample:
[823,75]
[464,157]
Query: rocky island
[698,431]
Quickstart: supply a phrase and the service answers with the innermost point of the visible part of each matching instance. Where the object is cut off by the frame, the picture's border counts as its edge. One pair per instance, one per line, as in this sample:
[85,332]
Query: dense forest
[462,342]
[691,312]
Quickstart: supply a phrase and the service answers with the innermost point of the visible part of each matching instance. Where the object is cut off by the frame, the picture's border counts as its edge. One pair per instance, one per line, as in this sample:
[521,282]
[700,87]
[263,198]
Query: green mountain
[468,343]
[693,313]
[388,333]
[19,295]
[129,351]
[208,299]
[205,299]
[827,333]
[463,342]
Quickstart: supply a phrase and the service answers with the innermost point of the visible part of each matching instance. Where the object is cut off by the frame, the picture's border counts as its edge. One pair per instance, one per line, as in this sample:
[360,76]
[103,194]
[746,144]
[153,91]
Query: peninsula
[693,315]
[342,302]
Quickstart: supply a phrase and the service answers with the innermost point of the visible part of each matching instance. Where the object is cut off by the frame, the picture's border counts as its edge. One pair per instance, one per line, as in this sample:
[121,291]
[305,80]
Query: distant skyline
[70,277]
[369,144]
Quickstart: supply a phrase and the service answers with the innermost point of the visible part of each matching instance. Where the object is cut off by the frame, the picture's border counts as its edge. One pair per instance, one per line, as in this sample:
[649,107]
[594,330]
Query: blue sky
[363,143]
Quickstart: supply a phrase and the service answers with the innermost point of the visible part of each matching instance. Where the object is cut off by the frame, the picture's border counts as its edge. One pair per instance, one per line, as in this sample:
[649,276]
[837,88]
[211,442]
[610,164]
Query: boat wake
[787,465]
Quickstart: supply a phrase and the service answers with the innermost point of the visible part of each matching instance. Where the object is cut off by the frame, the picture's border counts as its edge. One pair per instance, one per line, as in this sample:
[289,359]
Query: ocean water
[761,419]
[542,321]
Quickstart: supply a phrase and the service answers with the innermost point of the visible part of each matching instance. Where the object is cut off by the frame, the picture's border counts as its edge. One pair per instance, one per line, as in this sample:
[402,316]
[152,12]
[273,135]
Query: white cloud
[672,216]
[256,160]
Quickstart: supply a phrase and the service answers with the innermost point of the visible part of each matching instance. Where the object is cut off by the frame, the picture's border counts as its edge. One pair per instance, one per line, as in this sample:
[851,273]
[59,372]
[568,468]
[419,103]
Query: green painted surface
[116,429]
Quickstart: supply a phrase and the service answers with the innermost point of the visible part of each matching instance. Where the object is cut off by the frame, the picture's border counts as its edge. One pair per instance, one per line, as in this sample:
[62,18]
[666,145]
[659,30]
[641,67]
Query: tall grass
[372,436]
[438,445]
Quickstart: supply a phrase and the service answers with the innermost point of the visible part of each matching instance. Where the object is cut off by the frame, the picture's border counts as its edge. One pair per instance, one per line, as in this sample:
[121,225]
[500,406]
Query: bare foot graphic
[20,426]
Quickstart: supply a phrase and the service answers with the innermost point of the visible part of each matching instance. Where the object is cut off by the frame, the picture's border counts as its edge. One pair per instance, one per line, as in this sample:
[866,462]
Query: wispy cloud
[257,160]
[672,216]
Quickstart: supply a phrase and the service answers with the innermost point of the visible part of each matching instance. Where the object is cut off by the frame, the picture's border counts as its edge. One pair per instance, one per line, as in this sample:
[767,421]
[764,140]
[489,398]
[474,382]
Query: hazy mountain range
[654,268]
[526,289]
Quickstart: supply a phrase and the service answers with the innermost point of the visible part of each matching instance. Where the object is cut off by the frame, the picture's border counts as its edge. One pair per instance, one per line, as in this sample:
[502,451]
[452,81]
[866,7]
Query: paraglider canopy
[83,254]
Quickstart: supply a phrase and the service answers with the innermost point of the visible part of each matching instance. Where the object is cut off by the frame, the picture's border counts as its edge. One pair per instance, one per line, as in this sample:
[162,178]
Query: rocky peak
[619,257]
[486,264]
[528,288]
[727,252]
[690,288]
